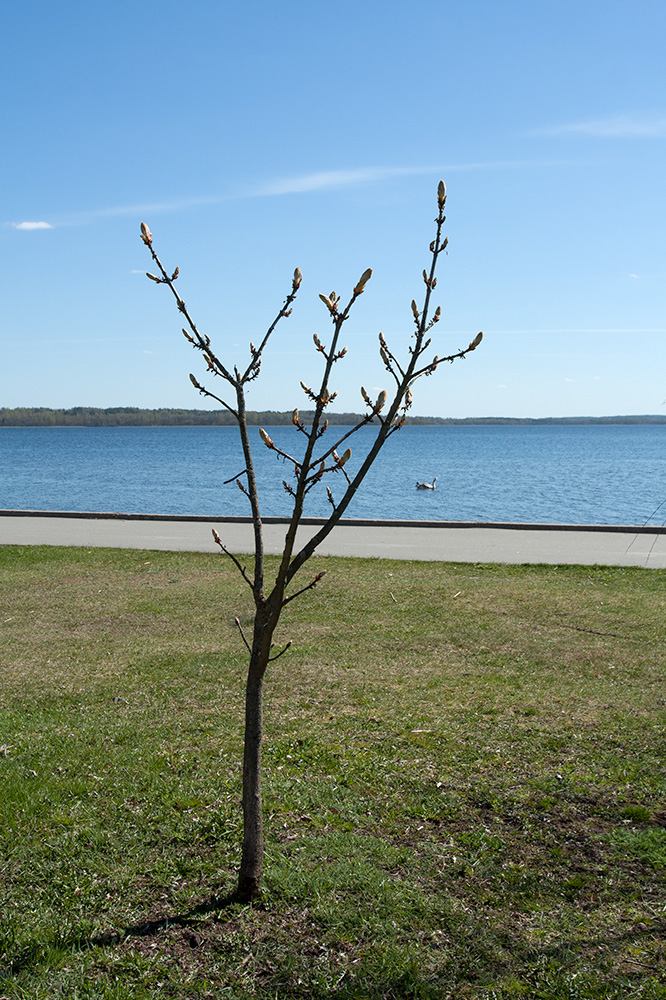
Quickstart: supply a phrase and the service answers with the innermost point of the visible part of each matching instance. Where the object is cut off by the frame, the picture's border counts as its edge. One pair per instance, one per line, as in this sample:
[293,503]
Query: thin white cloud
[326,179]
[330,179]
[32,225]
[613,127]
[298,184]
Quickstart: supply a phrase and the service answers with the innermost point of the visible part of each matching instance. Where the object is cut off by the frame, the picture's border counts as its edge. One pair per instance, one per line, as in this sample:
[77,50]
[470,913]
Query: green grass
[465,782]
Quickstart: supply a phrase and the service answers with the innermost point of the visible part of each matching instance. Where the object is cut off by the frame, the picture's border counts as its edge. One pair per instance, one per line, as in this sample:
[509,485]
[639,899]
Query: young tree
[319,460]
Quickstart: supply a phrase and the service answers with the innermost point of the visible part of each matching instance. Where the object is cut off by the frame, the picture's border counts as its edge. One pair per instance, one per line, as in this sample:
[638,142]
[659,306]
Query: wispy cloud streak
[331,179]
[613,127]
[324,180]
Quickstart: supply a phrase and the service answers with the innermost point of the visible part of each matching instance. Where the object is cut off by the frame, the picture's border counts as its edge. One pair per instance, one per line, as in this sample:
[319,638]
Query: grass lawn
[465,781]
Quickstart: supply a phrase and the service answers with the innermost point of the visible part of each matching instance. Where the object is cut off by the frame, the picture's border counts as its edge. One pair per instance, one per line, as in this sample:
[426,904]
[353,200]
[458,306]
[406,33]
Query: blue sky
[256,137]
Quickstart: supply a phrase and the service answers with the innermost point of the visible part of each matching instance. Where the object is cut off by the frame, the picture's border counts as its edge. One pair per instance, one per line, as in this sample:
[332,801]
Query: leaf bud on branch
[308,392]
[265,438]
[441,194]
[381,400]
[298,277]
[327,302]
[188,337]
[195,383]
[362,281]
[415,309]
[146,234]
[475,343]
[294,417]
[153,277]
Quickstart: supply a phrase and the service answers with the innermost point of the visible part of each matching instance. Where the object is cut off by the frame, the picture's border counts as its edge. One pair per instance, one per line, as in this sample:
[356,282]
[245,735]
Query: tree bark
[252,859]
[249,877]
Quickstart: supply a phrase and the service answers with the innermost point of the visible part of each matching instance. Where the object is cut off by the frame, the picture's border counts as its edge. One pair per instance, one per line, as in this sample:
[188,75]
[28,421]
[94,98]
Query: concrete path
[446,541]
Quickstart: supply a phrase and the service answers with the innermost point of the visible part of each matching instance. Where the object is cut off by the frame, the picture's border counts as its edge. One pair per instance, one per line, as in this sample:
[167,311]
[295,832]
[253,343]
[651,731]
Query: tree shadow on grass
[149,928]
[33,953]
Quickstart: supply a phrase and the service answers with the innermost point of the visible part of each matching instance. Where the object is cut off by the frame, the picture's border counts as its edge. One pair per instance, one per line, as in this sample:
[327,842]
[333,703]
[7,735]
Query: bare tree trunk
[249,877]
[252,859]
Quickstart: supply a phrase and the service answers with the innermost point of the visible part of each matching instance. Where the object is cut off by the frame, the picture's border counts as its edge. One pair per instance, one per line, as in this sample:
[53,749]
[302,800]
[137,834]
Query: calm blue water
[579,474]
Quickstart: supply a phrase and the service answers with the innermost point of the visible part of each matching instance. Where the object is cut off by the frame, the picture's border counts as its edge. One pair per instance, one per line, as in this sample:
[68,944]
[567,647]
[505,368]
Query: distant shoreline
[129,416]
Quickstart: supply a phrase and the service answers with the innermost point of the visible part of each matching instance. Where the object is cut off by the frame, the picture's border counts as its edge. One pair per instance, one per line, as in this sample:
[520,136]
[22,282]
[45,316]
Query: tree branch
[226,551]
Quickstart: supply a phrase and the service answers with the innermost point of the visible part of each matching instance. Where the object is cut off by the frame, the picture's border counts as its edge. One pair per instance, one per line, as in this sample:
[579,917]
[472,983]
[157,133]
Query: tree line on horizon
[134,416]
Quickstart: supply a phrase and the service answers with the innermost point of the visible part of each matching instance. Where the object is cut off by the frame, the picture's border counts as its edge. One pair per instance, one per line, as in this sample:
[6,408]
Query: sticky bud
[298,277]
[325,396]
[217,537]
[438,314]
[294,417]
[415,309]
[327,302]
[186,334]
[345,458]
[363,280]
[153,277]
[475,343]
[365,395]
[384,356]
[146,234]
[441,194]
[194,382]
[381,400]
[265,438]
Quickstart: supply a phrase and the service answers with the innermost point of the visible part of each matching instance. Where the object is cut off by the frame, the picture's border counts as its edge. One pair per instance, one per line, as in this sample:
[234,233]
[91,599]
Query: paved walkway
[446,541]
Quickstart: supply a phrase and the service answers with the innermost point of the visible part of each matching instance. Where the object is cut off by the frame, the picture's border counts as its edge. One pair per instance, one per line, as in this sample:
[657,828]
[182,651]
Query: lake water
[567,474]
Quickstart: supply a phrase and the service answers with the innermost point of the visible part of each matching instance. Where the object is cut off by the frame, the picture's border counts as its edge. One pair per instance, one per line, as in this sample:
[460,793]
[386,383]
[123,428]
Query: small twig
[271,659]
[241,569]
[237,476]
[313,583]
[240,629]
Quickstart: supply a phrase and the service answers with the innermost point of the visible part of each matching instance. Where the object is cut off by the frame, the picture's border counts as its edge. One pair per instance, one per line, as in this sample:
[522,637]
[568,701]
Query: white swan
[427,486]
